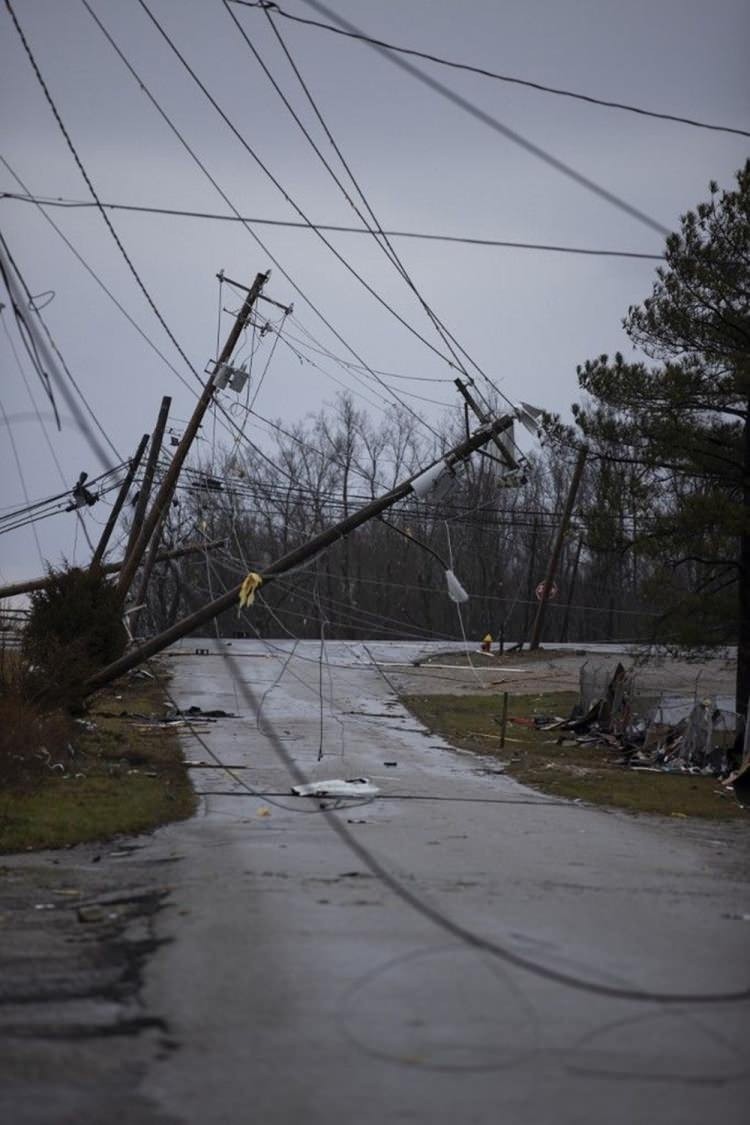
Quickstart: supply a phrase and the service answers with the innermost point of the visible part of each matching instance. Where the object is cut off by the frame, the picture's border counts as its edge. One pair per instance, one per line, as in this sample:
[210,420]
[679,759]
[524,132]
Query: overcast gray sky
[527,317]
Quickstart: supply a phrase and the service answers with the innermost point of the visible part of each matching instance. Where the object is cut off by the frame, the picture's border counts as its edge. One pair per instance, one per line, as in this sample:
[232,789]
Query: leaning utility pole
[169,480]
[117,506]
[554,559]
[299,555]
[132,554]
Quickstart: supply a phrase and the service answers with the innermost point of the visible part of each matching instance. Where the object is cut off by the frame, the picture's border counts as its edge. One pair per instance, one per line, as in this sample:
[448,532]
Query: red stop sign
[551,593]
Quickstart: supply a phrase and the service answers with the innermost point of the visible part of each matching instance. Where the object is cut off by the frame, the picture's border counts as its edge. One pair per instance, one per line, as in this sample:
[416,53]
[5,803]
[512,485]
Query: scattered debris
[664,734]
[215,714]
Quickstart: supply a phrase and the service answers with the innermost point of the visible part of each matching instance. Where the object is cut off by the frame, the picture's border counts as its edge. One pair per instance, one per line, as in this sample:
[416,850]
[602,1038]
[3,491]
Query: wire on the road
[455,929]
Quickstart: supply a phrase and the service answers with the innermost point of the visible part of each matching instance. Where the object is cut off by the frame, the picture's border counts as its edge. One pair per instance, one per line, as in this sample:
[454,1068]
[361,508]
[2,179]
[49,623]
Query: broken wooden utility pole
[117,506]
[169,481]
[299,555]
[41,583]
[134,550]
[554,558]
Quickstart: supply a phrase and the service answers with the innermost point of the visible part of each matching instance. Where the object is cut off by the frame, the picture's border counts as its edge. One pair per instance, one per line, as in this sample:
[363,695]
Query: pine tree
[683,417]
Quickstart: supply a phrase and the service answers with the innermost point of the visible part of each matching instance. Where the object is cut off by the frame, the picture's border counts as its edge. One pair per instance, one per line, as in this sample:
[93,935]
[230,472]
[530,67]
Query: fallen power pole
[169,481]
[41,583]
[299,555]
[554,558]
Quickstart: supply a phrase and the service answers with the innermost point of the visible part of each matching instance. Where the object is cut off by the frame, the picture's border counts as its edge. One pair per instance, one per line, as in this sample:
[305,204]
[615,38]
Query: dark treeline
[495,528]
[659,546]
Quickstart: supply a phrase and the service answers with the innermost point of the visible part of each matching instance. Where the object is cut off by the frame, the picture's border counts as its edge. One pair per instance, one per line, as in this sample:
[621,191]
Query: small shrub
[74,628]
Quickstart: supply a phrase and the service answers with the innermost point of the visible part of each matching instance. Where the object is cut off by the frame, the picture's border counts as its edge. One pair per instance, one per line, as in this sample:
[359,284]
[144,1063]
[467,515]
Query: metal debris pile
[664,733]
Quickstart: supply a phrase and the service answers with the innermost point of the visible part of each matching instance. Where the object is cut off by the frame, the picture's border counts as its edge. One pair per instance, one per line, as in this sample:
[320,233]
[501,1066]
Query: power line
[411,897]
[165,117]
[504,130]
[92,189]
[22,478]
[447,337]
[40,203]
[541,87]
[267,172]
[41,421]
[376,230]
[42,352]
[228,421]
[461,240]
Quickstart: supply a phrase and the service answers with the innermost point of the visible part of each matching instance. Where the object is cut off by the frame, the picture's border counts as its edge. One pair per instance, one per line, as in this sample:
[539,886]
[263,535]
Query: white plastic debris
[337,787]
[530,418]
[434,482]
[456,592]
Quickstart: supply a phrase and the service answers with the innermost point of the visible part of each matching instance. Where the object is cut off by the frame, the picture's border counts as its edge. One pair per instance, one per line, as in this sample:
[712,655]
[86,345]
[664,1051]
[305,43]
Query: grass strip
[123,776]
[551,762]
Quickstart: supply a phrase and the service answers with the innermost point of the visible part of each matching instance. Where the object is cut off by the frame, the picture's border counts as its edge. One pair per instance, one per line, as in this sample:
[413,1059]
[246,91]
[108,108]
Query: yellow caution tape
[248,588]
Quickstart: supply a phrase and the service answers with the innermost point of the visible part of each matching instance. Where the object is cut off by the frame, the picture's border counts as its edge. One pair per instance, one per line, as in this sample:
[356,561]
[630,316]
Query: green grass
[120,780]
[590,773]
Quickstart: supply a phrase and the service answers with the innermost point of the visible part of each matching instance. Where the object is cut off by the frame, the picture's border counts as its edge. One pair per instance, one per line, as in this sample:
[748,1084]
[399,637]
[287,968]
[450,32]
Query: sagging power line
[590,99]
[335,228]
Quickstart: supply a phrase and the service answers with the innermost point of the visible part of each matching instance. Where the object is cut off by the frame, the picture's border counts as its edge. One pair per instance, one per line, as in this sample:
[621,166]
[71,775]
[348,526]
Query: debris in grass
[668,734]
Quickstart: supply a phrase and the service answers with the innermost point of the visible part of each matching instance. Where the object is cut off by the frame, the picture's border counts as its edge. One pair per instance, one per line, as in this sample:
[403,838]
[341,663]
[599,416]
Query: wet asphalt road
[298,987]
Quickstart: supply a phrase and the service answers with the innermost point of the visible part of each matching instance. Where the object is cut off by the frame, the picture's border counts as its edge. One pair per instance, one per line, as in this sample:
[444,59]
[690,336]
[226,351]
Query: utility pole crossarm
[294,558]
[484,418]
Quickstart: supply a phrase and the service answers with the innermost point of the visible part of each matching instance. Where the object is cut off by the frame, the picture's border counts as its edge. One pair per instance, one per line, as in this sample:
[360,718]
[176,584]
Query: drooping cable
[46,354]
[89,184]
[308,301]
[482,72]
[464,240]
[498,127]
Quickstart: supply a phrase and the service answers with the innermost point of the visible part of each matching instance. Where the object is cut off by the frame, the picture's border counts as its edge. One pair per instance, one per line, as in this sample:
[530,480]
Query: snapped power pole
[169,481]
[299,555]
